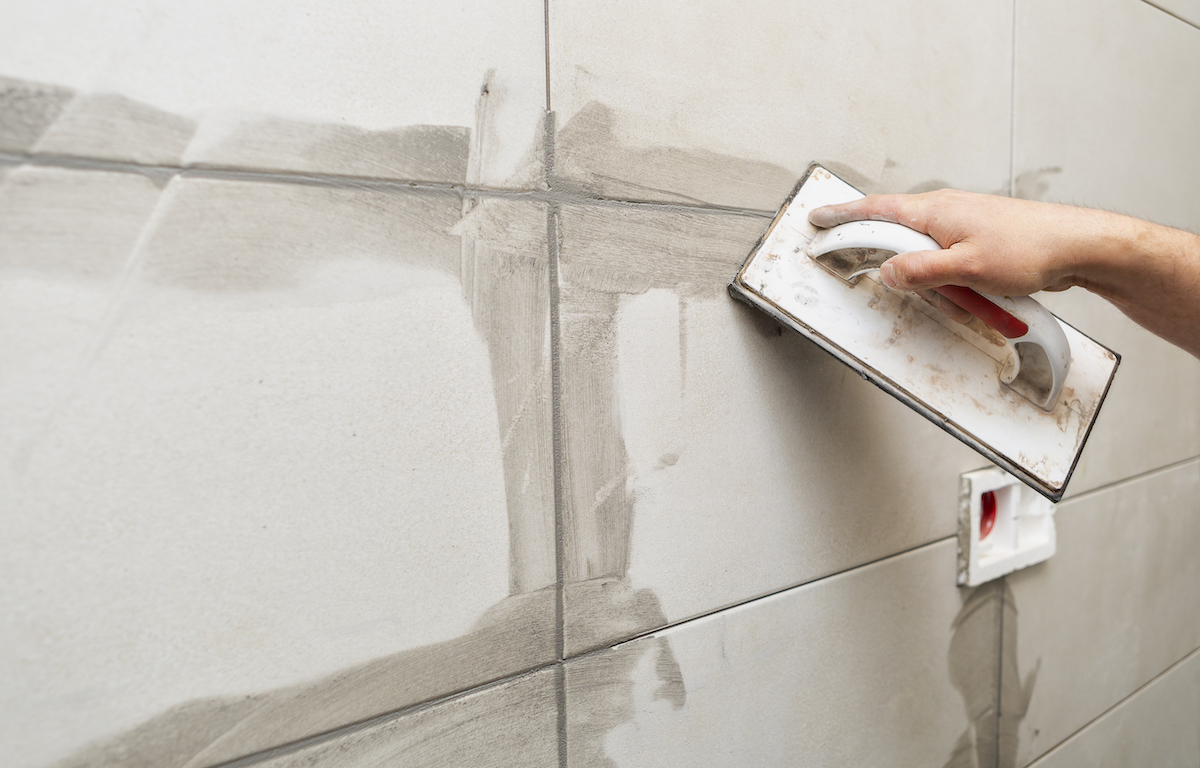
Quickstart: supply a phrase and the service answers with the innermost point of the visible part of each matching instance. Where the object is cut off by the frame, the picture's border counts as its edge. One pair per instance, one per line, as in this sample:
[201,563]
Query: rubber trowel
[1015,383]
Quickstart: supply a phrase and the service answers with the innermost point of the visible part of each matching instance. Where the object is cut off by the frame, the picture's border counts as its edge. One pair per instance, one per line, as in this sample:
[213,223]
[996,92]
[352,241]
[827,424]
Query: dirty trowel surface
[946,371]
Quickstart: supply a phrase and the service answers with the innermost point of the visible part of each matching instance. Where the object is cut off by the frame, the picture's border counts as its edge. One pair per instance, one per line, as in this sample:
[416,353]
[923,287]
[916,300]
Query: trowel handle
[1022,321]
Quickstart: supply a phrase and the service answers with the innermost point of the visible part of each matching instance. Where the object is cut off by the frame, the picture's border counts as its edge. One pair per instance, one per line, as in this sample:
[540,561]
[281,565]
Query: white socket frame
[1023,534]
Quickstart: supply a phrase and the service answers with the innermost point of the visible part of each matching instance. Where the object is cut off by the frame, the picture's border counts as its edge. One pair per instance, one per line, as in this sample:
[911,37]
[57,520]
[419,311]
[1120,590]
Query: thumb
[918,270]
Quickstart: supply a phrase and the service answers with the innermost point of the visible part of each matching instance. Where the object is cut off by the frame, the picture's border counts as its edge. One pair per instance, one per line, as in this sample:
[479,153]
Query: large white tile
[1151,417]
[1105,114]
[1117,604]
[274,462]
[890,664]
[1187,11]
[1159,726]
[710,456]
[729,103]
[512,724]
[447,92]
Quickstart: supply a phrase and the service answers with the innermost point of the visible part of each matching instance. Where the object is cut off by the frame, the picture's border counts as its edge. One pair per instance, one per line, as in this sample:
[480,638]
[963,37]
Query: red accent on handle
[991,314]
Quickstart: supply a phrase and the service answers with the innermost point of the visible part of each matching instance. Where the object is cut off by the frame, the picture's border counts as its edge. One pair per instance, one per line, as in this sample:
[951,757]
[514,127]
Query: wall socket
[1003,526]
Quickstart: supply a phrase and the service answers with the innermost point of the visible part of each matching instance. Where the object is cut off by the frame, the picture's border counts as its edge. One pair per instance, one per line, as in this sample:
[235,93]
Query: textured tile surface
[449,93]
[1117,604]
[276,458]
[890,664]
[1105,111]
[728,104]
[712,457]
[1187,11]
[1159,726]
[512,724]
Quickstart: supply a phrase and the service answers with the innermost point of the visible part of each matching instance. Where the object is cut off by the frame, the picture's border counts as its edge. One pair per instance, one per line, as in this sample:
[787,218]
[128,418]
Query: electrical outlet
[1003,526]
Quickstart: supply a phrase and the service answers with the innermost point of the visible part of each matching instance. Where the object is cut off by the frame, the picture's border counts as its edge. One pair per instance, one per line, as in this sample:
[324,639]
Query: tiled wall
[360,411]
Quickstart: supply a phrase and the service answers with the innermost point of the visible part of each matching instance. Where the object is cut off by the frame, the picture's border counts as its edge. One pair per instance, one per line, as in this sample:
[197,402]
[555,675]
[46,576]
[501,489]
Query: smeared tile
[113,127]
[890,664]
[26,110]
[511,724]
[590,159]
[710,457]
[419,152]
[1156,726]
[233,236]
[869,87]
[71,224]
[1114,607]
[514,635]
[342,396]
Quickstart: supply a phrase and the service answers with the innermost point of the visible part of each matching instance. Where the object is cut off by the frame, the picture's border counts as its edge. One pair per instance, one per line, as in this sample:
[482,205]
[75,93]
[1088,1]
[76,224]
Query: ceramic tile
[1159,725]
[277,458]
[446,93]
[711,457]
[728,103]
[1104,115]
[1151,417]
[889,664]
[1115,606]
[1187,11]
[515,723]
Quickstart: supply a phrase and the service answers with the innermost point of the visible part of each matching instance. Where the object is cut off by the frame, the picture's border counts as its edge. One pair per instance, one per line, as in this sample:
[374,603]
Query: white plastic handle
[1040,356]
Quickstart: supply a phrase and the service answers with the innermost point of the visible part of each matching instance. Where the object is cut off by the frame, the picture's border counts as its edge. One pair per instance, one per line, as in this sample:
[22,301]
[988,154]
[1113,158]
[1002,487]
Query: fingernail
[887,273]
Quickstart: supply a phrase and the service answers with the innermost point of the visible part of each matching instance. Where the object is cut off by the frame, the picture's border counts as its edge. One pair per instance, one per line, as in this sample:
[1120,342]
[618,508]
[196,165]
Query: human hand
[996,245]
[1010,247]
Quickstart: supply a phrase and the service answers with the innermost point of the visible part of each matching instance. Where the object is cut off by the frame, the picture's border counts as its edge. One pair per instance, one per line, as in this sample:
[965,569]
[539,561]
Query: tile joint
[548,194]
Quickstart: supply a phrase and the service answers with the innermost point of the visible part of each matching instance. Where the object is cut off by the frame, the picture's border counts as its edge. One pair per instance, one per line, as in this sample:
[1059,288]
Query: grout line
[760,598]
[560,690]
[546,36]
[337,181]
[1000,672]
[1128,480]
[556,425]
[1012,109]
[1186,657]
[1172,14]
[292,747]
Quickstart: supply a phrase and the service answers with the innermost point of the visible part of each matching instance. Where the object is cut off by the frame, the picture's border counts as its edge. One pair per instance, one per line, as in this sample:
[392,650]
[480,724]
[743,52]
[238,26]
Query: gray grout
[1012,109]
[333,734]
[370,183]
[1172,14]
[556,421]
[1000,671]
[561,659]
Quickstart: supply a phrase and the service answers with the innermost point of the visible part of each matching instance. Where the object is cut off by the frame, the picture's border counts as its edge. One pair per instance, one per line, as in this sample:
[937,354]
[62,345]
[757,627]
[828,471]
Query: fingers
[908,210]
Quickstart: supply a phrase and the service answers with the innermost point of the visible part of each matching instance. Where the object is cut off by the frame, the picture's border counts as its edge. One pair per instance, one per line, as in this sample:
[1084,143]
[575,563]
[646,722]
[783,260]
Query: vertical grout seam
[546,28]
[556,422]
[1012,107]
[1000,674]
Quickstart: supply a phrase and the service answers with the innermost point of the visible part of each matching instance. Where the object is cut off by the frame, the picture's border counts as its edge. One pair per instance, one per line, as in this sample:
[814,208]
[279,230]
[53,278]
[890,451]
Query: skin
[1012,247]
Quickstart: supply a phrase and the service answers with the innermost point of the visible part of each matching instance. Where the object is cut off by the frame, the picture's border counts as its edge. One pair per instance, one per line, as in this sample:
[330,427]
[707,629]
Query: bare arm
[1017,247]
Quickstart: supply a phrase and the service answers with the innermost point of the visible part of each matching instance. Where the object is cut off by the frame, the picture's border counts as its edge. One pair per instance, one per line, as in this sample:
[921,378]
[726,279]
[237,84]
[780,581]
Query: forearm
[1150,272]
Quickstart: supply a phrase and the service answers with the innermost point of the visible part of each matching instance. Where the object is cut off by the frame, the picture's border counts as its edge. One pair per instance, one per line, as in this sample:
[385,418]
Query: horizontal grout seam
[1130,480]
[350,729]
[1060,745]
[370,183]
[759,598]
